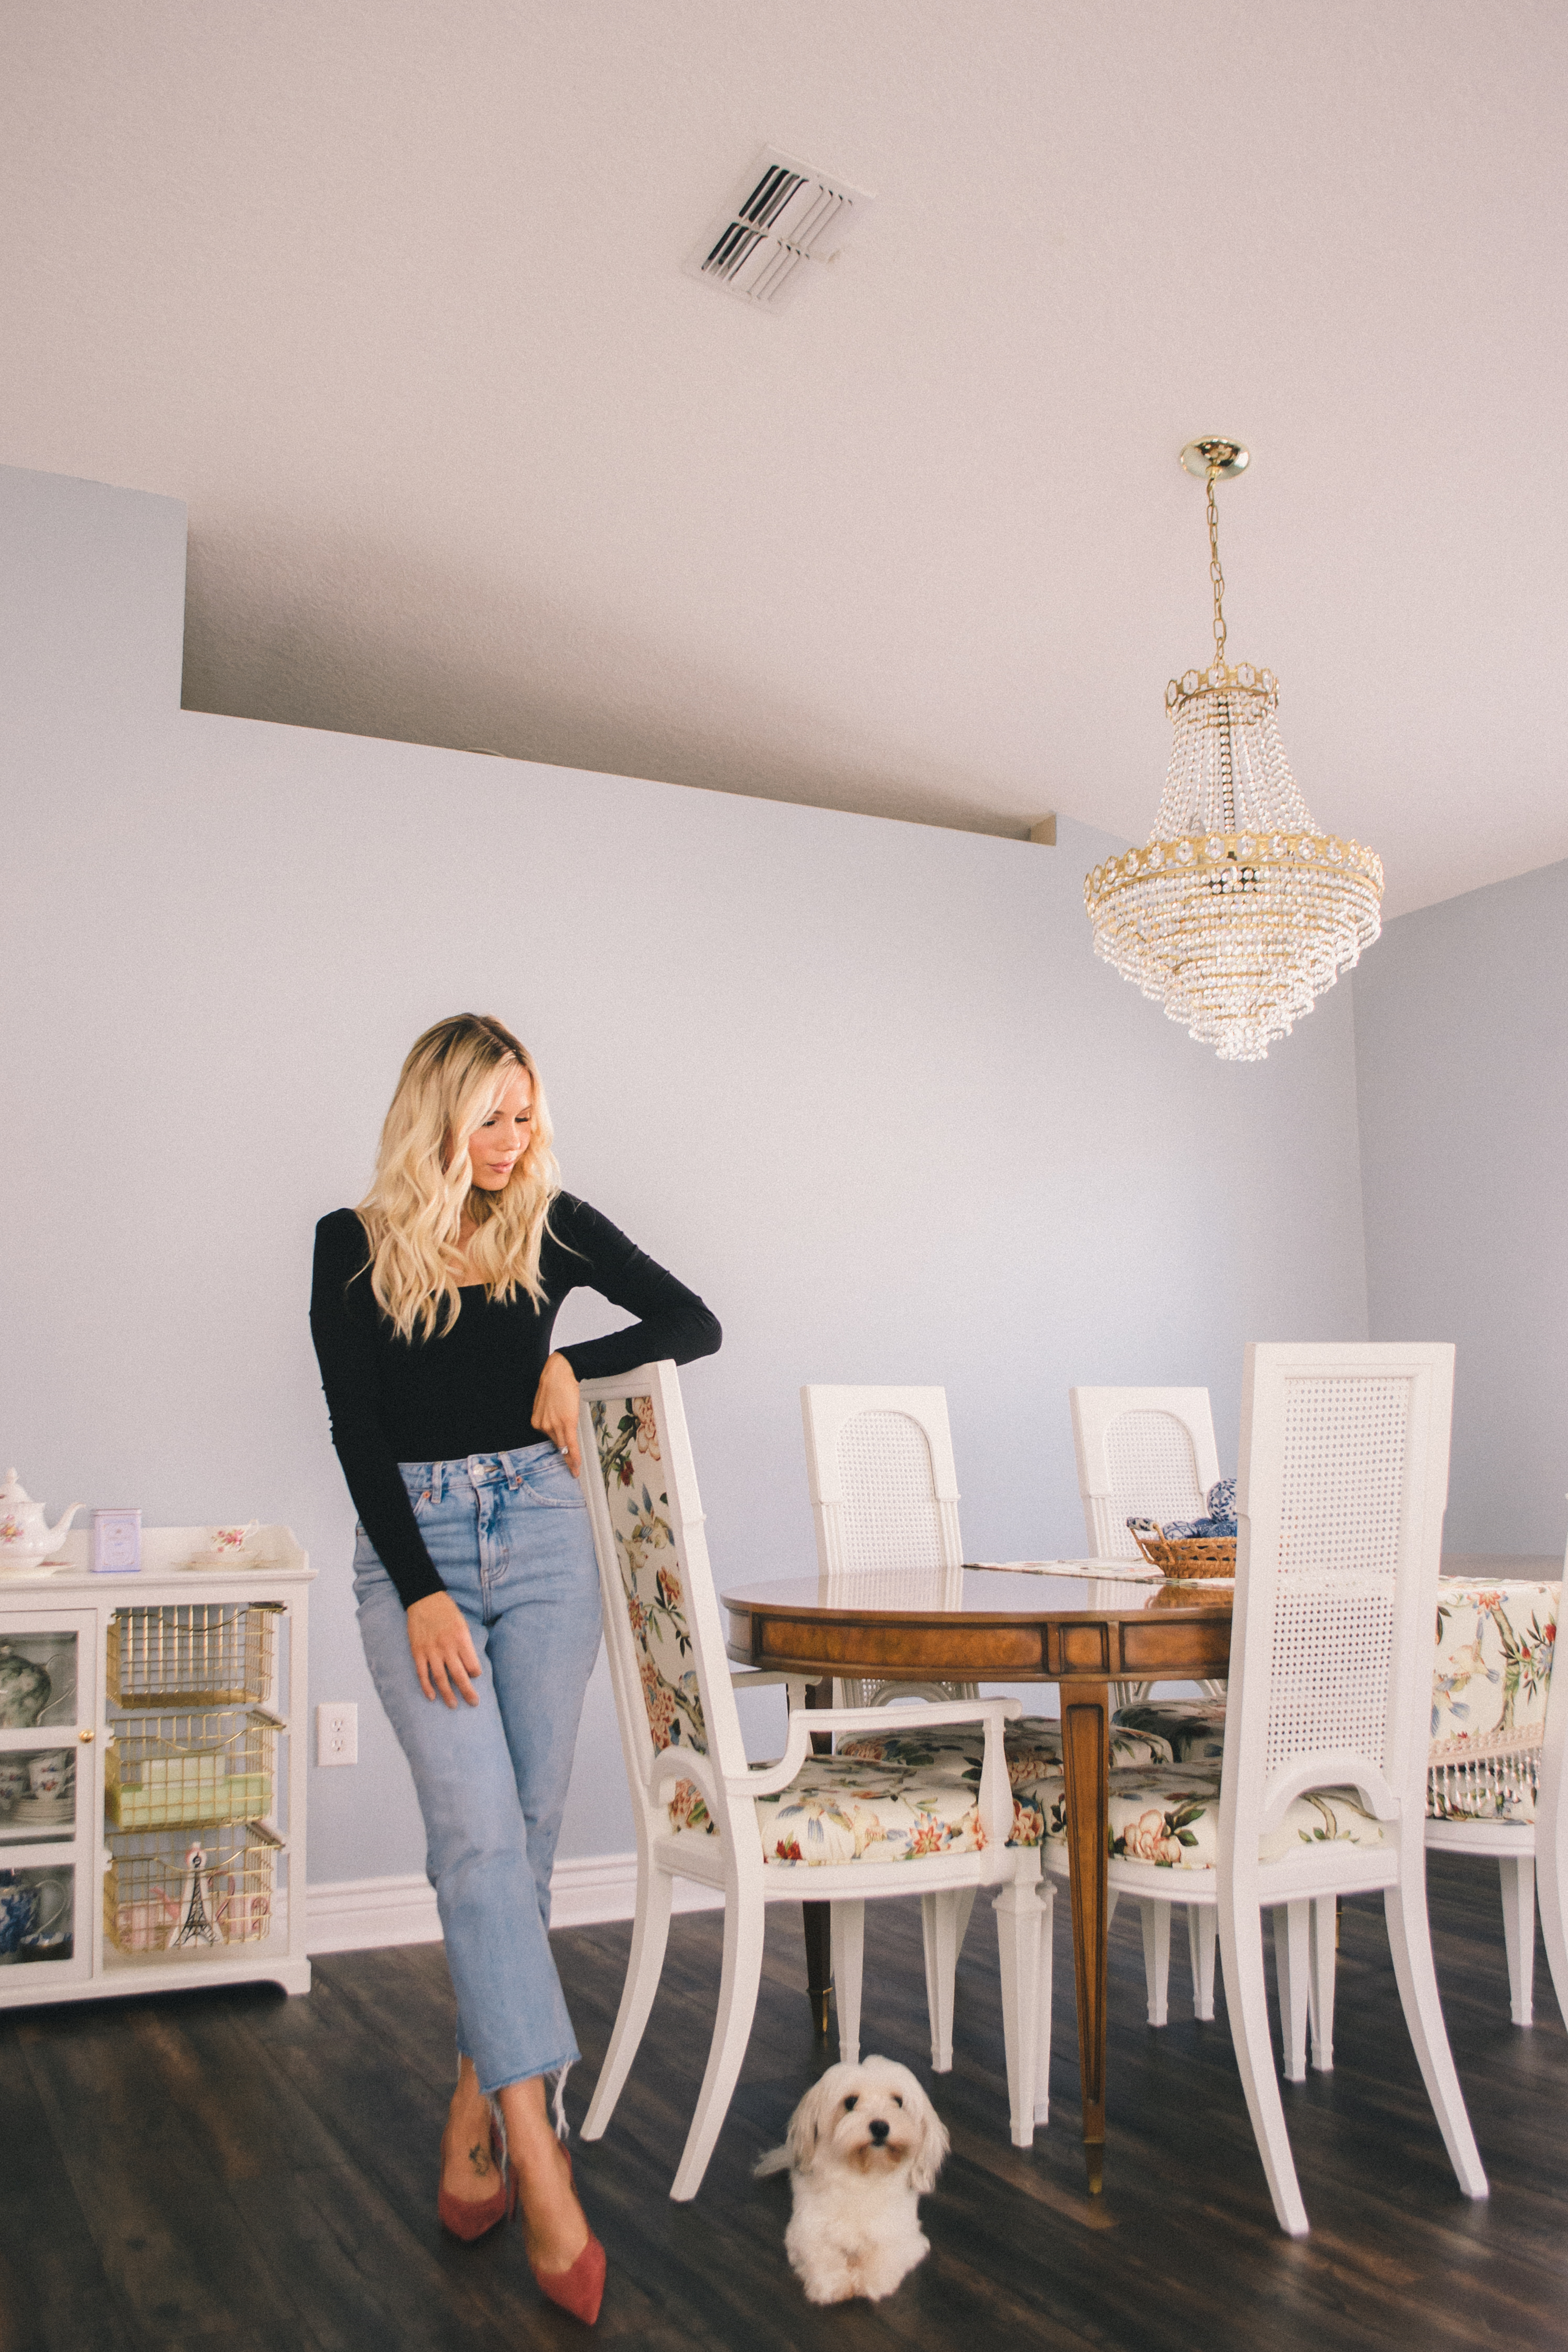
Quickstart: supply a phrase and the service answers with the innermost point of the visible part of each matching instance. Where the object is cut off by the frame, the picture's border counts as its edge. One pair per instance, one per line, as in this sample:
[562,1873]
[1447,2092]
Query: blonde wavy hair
[454,1078]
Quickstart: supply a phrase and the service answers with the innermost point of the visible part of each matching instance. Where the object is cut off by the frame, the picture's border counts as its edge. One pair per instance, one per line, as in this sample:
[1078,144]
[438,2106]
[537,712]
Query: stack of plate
[43,1813]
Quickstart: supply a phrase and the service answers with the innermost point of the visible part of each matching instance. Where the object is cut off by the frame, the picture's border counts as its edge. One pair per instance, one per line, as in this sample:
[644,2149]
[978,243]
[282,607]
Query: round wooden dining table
[1083,1625]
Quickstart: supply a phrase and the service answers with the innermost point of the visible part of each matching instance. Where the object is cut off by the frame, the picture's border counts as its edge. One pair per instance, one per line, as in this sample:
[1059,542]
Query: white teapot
[24,1540]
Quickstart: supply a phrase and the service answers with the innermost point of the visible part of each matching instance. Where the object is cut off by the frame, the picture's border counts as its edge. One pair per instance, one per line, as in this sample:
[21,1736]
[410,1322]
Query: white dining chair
[1341,1492]
[827,1827]
[1150,1454]
[1496,1781]
[1496,1773]
[1144,1452]
[884,1496]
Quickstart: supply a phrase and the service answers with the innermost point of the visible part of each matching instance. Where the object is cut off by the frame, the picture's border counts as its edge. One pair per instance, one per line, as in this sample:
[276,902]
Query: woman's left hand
[555,1409]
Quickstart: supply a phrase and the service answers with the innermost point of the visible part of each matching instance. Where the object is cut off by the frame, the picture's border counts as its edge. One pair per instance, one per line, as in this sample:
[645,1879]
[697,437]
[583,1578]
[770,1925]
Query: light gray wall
[1460,1017]
[864,1084]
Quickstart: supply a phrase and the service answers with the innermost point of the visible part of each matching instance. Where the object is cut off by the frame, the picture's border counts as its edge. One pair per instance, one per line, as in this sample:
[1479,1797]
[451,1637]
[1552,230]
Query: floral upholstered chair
[1496,1770]
[1321,1789]
[1150,1454]
[843,1830]
[1498,1754]
[885,1498]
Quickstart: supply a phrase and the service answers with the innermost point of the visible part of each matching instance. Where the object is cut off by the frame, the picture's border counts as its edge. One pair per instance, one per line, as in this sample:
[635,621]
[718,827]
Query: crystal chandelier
[1237,912]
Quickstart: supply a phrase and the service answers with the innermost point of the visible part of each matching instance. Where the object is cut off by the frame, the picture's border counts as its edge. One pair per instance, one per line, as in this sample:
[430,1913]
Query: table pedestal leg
[818,1917]
[1086,1756]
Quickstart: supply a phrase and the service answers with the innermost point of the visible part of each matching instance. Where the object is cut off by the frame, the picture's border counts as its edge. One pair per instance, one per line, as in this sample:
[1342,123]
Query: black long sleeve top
[471,1388]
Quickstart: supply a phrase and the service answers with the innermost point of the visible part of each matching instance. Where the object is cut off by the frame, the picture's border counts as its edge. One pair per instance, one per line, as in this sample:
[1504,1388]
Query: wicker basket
[201,1655]
[1186,1556]
[189,1771]
[146,1890]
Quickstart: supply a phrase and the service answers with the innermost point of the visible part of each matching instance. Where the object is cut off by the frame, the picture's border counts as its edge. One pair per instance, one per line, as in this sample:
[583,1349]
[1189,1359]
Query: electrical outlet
[338,1732]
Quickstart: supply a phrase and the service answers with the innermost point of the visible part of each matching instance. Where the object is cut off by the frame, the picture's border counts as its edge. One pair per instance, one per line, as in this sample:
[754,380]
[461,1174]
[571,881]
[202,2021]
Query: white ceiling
[391,292]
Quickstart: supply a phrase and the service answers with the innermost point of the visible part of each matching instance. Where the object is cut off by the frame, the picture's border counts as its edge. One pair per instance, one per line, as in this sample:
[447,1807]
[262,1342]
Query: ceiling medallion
[1237,913]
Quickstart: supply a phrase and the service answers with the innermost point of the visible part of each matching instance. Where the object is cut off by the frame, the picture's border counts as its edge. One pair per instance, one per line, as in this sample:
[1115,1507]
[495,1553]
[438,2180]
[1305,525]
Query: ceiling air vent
[787,216]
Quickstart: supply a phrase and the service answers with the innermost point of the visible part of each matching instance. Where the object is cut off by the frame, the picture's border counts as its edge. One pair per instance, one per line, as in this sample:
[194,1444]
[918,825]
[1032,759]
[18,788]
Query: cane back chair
[1322,1790]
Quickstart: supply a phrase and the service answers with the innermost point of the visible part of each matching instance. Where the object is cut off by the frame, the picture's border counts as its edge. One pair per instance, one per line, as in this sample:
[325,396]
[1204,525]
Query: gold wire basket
[1187,1555]
[194,1654]
[189,1772]
[154,1901]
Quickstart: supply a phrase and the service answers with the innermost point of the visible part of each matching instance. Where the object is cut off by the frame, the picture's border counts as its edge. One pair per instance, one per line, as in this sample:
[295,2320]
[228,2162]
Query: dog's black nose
[879,2131]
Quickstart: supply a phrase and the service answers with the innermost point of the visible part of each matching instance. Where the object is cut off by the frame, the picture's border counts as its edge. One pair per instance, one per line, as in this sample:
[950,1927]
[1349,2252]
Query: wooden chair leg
[649,1937]
[731,2032]
[1202,1931]
[1410,1941]
[1021,1921]
[1321,1980]
[1156,1958]
[943,1919]
[849,1954]
[816,1925]
[1293,1926]
[1517,1872]
[1045,1896]
[1247,1999]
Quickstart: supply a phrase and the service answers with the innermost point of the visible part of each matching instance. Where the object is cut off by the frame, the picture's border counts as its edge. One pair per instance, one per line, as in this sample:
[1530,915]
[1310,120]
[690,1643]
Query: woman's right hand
[442,1649]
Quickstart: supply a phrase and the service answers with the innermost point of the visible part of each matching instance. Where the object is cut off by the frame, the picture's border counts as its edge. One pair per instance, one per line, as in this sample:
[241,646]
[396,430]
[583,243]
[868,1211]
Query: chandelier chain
[1215,574]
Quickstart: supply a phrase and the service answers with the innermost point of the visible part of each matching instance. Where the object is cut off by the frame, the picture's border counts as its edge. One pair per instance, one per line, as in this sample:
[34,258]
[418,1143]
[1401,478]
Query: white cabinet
[152,1771]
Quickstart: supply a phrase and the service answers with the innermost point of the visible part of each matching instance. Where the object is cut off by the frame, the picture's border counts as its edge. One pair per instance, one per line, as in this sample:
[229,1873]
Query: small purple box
[116,1543]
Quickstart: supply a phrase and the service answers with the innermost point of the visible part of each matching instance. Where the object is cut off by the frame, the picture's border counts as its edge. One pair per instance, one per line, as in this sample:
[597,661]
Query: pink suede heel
[471,2219]
[579,2288]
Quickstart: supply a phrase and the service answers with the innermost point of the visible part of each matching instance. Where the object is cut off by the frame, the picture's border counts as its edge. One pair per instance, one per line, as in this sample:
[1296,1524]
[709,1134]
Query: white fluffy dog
[863,2146]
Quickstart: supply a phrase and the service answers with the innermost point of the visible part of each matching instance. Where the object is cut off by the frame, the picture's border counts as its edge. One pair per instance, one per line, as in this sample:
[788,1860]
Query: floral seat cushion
[1192,1729]
[1169,1818]
[912,1797]
[1489,1689]
[837,1809]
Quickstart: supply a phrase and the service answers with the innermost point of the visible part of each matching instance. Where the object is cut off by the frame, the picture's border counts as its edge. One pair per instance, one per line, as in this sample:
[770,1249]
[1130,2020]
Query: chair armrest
[770,1780]
[880,1718]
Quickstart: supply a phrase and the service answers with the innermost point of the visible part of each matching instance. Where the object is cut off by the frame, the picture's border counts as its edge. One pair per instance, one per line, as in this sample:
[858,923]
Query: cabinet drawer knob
[85,1736]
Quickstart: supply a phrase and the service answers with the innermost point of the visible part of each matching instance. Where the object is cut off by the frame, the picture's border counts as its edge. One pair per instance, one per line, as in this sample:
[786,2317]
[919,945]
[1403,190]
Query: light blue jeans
[509,1537]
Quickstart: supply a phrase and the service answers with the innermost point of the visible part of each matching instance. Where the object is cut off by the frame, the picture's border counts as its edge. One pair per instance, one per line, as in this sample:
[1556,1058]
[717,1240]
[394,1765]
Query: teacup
[24,1912]
[50,1774]
[224,1543]
[13,1781]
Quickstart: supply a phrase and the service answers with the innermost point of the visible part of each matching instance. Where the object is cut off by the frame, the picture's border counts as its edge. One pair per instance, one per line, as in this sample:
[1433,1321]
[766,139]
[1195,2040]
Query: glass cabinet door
[50,1797]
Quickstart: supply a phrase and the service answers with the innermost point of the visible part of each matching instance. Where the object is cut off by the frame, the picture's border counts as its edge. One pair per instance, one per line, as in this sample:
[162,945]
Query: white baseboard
[356,1915]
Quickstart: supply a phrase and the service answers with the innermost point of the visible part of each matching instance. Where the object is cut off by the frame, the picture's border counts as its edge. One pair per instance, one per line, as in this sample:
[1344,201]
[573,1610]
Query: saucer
[209,1560]
[43,1813]
[34,1568]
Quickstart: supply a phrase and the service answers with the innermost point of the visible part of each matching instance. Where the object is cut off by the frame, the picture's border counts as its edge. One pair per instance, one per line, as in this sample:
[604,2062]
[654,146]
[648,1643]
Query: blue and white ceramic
[25,1911]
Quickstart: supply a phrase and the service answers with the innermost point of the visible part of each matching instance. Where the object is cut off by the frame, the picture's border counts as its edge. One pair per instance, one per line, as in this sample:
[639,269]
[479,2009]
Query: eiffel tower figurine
[196,1925]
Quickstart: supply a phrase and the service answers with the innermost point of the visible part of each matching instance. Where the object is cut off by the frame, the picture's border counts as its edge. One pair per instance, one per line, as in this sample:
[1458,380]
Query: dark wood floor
[248,2173]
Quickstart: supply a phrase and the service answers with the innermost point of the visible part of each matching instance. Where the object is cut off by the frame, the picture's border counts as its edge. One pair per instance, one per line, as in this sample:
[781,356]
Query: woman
[455,1422]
